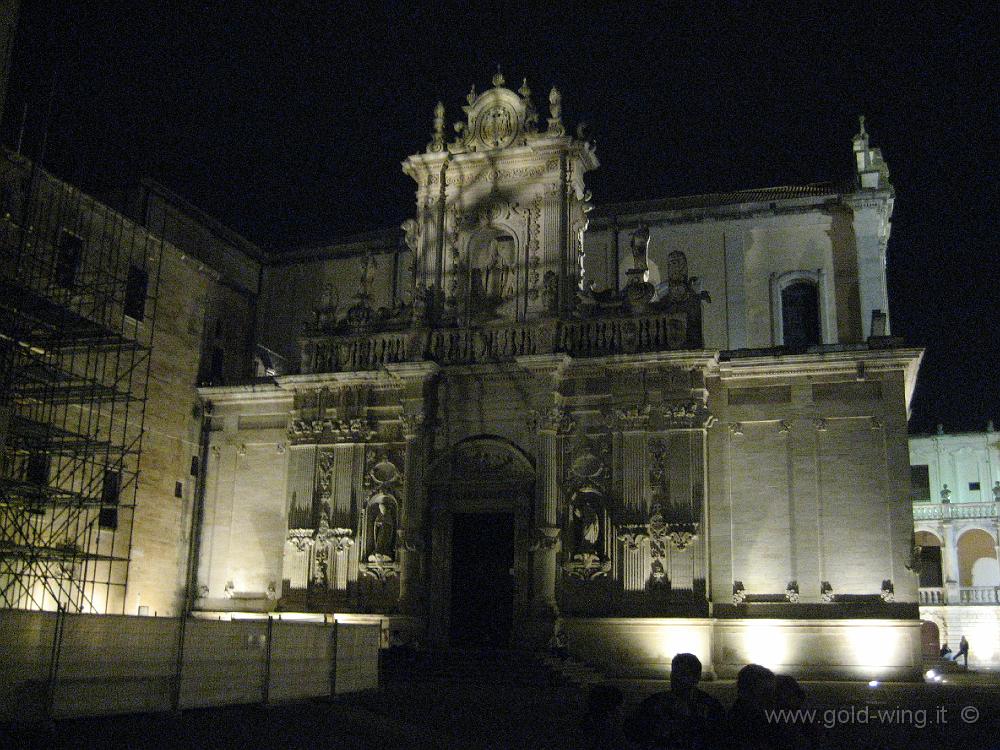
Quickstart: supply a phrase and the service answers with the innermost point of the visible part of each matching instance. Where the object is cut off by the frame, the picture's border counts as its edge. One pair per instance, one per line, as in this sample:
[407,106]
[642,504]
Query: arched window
[800,315]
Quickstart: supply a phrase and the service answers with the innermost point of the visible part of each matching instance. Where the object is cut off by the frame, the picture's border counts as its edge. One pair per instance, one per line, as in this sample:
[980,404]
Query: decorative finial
[555,110]
[471,96]
[437,144]
[524,90]
[498,79]
[861,124]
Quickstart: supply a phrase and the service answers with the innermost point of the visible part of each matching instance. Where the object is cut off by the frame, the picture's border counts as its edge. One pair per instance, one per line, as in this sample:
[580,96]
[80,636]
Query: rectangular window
[920,484]
[112,488]
[973,486]
[178,489]
[69,253]
[135,293]
[108,518]
[194,466]
[38,468]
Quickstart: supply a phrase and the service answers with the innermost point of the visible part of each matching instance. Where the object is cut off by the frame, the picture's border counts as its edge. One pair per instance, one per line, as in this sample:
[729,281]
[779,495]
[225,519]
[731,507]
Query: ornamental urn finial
[498,79]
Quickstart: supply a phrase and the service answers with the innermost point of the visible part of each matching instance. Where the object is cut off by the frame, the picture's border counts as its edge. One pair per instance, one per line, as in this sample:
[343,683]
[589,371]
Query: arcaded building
[674,425]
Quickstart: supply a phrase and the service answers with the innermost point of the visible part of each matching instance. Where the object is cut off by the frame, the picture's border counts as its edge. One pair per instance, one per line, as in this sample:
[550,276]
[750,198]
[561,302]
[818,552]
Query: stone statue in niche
[383,529]
[588,528]
[682,294]
[491,281]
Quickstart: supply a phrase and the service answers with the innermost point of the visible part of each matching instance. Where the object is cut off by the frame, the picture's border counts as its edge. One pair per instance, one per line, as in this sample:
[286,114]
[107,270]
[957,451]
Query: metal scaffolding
[78,297]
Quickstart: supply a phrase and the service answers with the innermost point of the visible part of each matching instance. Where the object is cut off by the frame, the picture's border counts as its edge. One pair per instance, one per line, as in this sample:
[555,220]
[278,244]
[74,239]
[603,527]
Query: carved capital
[691,413]
[332,430]
[555,420]
[546,538]
[301,539]
[587,566]
[633,535]
[412,424]
[681,535]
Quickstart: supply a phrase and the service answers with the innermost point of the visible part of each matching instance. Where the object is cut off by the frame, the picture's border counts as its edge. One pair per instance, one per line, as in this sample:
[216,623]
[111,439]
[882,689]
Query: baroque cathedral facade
[673,425]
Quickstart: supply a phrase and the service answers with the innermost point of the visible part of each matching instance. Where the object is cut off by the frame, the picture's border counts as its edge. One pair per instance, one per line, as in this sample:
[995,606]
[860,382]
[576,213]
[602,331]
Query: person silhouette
[963,651]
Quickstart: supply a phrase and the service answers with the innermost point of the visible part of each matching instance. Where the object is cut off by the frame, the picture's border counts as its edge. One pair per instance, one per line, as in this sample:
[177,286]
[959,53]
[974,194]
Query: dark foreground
[492,713]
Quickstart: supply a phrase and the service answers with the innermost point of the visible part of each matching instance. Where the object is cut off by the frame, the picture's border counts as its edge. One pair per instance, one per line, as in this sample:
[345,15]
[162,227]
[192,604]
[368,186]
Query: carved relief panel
[379,517]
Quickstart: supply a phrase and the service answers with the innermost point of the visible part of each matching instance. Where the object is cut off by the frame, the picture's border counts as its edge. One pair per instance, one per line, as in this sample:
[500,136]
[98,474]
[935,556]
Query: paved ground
[434,715]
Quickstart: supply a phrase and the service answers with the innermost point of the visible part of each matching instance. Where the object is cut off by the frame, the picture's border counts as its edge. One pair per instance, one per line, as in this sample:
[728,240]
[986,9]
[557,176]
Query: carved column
[411,532]
[546,542]
[633,424]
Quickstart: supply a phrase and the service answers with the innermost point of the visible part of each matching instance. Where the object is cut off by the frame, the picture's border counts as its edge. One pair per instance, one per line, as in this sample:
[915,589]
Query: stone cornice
[251,392]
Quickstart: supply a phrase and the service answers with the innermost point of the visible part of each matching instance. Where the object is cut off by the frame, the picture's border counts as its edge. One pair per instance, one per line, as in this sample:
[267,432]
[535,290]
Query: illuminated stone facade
[956,520]
[674,425]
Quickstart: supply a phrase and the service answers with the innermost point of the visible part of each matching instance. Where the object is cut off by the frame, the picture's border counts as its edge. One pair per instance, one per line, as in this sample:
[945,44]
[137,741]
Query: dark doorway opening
[482,581]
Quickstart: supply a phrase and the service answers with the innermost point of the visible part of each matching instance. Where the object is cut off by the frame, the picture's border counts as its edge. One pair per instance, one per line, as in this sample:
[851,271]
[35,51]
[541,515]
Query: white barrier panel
[302,657]
[357,657]
[115,664]
[110,664]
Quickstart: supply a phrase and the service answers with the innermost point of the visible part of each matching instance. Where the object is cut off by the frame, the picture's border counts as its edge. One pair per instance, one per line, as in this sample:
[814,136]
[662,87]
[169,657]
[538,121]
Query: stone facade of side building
[955,481]
[667,426]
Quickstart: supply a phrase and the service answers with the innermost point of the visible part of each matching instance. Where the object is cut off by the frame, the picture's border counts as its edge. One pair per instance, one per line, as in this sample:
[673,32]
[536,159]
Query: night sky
[288,121]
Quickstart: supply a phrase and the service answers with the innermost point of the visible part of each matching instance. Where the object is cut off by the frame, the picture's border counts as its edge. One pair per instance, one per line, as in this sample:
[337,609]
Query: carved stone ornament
[632,535]
[301,539]
[546,538]
[690,413]
[826,591]
[411,424]
[739,593]
[819,425]
[334,430]
[888,592]
[380,570]
[381,472]
[557,420]
[627,419]
[792,592]
[587,566]
[736,429]
[681,535]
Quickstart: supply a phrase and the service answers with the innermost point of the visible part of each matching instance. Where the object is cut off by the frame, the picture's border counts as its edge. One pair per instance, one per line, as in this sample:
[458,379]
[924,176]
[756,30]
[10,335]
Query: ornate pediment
[496,119]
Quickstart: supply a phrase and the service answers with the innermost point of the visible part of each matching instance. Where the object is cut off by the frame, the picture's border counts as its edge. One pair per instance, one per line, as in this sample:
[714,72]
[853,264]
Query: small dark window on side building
[111,489]
[800,315]
[108,518]
[930,567]
[920,484]
[69,253]
[178,489]
[974,486]
[135,293]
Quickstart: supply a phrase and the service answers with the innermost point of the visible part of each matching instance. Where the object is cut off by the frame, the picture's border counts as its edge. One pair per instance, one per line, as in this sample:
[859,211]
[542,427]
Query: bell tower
[501,211]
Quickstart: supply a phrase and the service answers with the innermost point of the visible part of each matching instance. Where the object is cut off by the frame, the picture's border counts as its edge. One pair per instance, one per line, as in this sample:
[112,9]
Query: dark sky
[288,120]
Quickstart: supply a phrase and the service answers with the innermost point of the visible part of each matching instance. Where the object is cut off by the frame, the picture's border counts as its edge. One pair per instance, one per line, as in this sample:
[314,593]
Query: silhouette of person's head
[755,685]
[787,692]
[685,673]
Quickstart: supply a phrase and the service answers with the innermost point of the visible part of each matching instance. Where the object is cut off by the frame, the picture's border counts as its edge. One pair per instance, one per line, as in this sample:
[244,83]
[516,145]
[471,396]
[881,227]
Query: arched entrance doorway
[480,495]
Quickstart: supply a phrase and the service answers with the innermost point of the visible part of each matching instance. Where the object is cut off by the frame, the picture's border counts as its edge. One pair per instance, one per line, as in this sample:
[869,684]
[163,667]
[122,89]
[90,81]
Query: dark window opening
[68,257]
[920,484]
[38,468]
[194,466]
[930,567]
[135,293]
[178,489]
[800,315]
[112,488]
[108,518]
[974,486]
